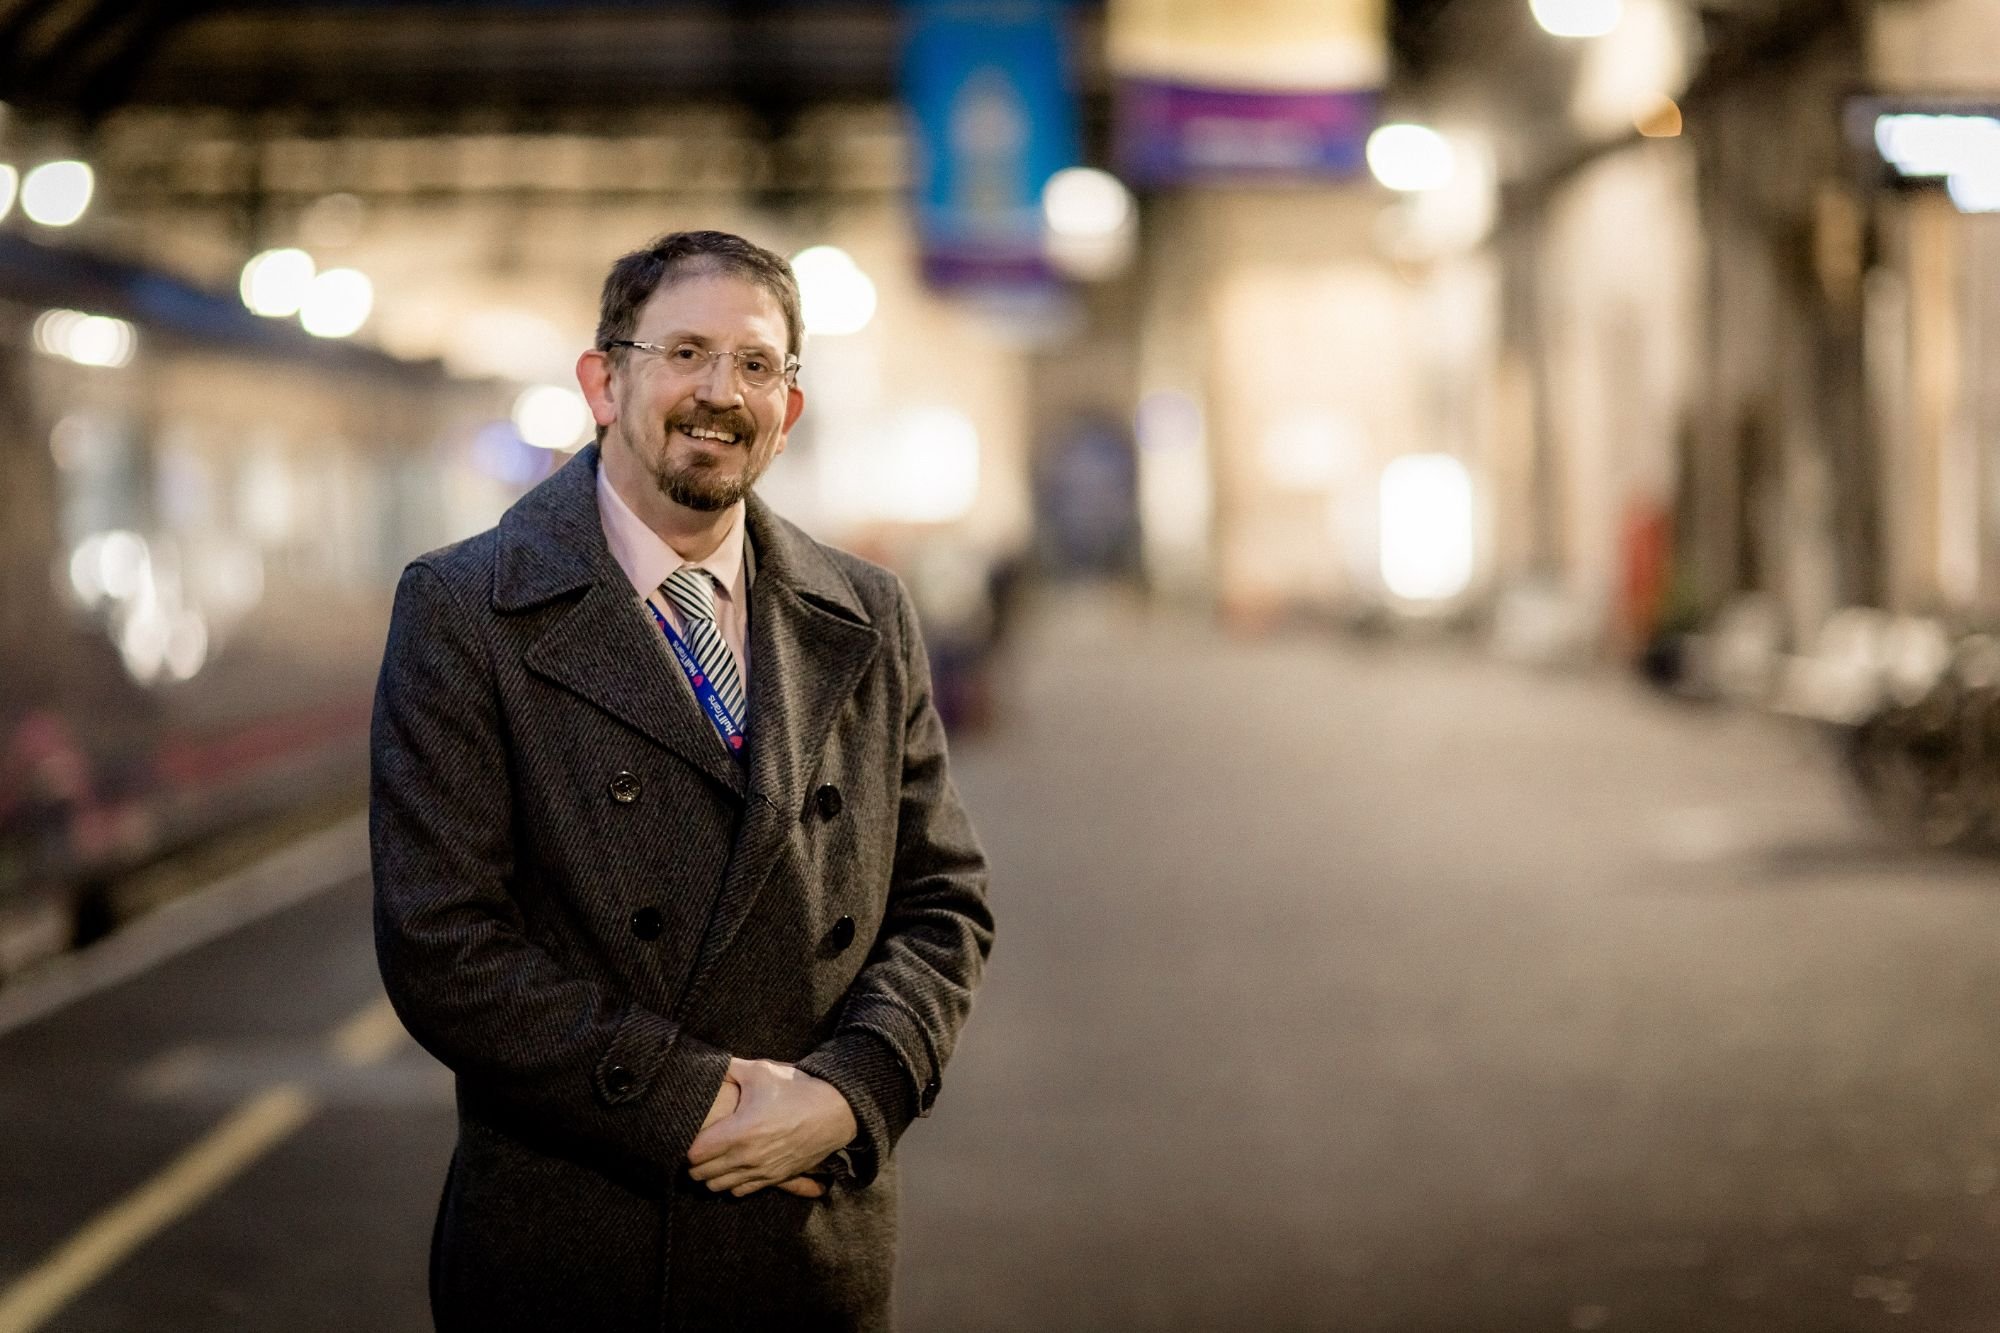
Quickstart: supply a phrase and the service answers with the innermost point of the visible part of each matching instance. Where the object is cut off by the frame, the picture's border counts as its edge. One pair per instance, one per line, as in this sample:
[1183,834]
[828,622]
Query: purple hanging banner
[1178,134]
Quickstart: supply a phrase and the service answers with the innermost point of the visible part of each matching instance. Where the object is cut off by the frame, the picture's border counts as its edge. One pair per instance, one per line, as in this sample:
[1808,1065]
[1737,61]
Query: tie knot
[692,591]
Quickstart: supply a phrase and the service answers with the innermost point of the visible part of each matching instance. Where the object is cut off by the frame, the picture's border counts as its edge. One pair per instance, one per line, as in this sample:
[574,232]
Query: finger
[720,1164]
[803,1186]
[742,1176]
[724,1107]
[712,1142]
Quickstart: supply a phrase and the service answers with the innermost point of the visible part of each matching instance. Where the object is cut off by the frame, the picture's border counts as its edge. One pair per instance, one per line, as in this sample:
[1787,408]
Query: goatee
[701,486]
[700,489]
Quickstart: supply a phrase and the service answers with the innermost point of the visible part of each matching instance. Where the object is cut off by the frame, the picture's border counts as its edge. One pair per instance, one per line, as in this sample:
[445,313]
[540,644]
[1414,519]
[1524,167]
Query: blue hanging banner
[992,118]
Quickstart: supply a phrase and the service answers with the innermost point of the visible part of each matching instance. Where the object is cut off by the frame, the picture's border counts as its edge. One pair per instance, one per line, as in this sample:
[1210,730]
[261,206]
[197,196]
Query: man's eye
[685,353]
[756,365]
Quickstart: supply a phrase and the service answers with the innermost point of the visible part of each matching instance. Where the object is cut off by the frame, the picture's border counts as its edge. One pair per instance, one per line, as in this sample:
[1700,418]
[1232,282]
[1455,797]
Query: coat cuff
[652,1064]
[866,1070]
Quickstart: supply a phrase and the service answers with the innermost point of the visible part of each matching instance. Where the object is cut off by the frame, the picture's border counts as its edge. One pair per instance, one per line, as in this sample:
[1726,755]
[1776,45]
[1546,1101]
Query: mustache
[732,423]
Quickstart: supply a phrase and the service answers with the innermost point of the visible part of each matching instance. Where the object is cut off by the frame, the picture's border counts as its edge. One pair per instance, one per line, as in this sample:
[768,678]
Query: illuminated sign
[1256,88]
[1953,143]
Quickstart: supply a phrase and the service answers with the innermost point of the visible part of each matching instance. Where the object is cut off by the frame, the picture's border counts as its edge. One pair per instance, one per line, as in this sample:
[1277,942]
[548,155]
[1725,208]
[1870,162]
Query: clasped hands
[769,1125]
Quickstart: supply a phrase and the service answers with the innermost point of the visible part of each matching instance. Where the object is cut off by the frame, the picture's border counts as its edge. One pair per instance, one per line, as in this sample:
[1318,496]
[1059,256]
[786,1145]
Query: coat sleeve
[903,1012]
[561,1048]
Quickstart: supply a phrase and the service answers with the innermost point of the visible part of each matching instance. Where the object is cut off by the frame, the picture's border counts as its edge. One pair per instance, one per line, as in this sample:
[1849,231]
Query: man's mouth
[709,433]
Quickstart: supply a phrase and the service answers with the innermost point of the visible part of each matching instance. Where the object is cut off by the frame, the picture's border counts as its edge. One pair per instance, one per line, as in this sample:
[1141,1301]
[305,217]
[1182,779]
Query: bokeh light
[275,283]
[56,194]
[550,416]
[87,340]
[1578,18]
[838,297]
[1410,157]
[337,303]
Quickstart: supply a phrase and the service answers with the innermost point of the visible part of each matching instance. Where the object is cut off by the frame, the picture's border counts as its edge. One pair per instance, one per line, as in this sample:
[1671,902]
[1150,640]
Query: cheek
[633,409]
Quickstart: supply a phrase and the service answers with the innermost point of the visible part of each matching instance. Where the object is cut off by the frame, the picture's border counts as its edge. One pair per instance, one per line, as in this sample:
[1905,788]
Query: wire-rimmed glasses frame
[692,359]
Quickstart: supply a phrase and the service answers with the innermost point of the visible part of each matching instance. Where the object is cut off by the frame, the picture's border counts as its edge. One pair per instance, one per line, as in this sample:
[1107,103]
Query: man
[669,868]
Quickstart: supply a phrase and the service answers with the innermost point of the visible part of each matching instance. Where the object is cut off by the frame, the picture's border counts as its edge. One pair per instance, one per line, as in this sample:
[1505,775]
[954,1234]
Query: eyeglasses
[759,370]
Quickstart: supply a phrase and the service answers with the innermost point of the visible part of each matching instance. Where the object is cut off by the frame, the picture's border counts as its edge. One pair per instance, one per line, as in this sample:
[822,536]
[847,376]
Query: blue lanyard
[704,688]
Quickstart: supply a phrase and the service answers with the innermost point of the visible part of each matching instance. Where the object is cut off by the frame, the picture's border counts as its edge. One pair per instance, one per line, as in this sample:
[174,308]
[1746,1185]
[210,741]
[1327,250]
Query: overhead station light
[550,416]
[1089,220]
[1922,144]
[87,340]
[1975,193]
[337,303]
[1410,158]
[280,283]
[1578,18]
[10,187]
[1085,202]
[838,298]
[56,194]
[274,284]
[1963,150]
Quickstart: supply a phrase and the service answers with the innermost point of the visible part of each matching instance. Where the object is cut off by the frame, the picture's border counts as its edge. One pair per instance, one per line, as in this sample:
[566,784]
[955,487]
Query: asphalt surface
[1336,988]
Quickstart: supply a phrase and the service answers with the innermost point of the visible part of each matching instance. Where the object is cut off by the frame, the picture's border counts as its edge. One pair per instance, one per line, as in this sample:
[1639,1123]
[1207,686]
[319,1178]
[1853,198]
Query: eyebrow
[669,339]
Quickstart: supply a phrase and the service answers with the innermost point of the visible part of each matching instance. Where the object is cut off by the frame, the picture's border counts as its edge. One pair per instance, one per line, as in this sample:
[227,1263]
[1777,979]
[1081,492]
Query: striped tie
[692,591]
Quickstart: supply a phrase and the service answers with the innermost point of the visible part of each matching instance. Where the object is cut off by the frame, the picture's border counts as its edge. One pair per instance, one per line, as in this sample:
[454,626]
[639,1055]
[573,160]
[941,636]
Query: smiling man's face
[704,435]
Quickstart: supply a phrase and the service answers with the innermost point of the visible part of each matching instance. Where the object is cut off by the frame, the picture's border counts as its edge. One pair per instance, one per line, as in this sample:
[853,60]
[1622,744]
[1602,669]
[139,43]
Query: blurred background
[1458,540]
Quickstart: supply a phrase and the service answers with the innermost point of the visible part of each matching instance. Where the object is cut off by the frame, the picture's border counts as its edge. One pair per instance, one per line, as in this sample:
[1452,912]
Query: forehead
[721,308]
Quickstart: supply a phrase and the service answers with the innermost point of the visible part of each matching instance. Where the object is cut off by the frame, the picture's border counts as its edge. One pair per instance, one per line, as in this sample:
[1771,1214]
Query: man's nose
[720,385]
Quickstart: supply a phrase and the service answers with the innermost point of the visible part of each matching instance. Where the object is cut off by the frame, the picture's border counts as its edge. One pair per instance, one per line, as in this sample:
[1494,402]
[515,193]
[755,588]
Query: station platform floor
[1337,986]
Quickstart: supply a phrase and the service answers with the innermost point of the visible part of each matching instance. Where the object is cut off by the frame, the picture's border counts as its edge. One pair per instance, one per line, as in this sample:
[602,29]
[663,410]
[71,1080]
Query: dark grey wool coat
[584,907]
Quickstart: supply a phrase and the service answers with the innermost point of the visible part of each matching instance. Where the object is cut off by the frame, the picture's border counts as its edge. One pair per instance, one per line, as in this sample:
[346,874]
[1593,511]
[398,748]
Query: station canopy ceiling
[87,58]
[442,60]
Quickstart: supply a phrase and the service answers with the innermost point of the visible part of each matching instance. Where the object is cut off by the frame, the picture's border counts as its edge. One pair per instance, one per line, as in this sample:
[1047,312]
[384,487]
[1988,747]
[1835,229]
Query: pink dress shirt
[647,560]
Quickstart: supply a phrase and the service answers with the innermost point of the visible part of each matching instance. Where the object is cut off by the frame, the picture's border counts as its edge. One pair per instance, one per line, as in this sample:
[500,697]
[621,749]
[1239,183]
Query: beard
[704,486]
[702,483]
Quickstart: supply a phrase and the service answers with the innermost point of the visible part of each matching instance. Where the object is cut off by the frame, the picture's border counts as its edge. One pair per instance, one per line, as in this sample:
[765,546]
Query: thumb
[803,1186]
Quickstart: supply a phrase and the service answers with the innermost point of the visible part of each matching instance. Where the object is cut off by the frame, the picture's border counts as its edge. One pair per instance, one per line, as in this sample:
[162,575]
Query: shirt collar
[647,559]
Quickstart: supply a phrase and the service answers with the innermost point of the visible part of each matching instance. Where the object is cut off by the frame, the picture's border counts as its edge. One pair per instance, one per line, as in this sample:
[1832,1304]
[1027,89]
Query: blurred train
[202,516]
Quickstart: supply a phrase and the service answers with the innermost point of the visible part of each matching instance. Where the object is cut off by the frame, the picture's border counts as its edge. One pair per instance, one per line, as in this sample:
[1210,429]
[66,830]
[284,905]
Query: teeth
[701,434]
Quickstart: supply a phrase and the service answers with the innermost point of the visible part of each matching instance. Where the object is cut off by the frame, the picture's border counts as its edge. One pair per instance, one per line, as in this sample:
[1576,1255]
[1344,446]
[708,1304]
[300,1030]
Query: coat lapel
[551,544]
[810,644]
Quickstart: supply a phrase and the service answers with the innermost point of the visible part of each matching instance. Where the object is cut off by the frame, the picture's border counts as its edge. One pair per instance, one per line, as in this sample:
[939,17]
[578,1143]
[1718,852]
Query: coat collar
[551,542]
[811,640]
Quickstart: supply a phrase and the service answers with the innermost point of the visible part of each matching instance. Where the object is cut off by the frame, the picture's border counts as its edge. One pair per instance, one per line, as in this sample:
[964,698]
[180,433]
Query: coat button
[619,1080]
[827,798]
[624,788]
[842,934]
[647,923]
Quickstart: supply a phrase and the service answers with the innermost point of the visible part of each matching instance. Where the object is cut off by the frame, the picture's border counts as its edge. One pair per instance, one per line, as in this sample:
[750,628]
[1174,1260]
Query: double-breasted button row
[618,1080]
[647,923]
[624,787]
[841,935]
[827,800]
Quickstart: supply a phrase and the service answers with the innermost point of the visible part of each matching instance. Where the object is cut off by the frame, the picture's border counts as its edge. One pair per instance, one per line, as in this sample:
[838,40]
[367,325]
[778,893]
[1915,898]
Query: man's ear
[593,376]
[795,403]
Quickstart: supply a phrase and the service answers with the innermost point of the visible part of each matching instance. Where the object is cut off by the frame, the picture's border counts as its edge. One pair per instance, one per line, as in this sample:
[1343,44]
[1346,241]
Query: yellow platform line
[250,1131]
[369,1037]
[260,1124]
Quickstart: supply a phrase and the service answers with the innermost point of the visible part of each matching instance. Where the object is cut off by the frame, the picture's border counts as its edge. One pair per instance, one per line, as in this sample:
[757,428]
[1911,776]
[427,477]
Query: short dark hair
[635,277]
